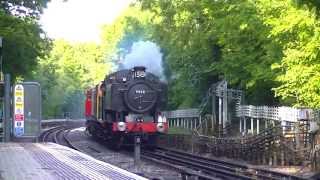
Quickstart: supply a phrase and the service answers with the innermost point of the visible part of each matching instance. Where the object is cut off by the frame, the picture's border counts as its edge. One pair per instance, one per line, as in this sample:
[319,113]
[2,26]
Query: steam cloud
[145,53]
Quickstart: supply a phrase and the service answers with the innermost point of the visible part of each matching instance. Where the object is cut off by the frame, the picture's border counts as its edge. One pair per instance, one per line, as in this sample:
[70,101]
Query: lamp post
[1,72]
[6,107]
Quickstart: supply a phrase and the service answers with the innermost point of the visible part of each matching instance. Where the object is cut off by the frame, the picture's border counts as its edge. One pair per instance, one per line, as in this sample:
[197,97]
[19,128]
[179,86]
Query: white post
[200,123]
[225,106]
[182,122]
[214,117]
[266,124]
[245,125]
[220,111]
[240,125]
[283,124]
[258,122]
[252,125]
[187,124]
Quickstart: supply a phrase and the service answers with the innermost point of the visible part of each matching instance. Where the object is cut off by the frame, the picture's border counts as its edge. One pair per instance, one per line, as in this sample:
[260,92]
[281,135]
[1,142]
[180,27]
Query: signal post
[137,152]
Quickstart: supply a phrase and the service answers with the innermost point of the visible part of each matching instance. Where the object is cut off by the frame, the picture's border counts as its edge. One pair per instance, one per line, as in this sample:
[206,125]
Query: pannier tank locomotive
[128,102]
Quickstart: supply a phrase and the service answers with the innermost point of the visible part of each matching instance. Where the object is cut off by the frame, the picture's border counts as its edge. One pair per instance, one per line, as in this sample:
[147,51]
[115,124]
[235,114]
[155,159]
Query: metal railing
[271,146]
[282,113]
[182,113]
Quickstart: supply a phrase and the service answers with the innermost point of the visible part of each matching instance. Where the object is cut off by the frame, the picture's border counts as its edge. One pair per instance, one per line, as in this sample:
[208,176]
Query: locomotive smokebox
[139,72]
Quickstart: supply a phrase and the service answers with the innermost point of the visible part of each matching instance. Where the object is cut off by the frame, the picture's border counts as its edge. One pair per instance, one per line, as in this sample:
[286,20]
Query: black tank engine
[127,102]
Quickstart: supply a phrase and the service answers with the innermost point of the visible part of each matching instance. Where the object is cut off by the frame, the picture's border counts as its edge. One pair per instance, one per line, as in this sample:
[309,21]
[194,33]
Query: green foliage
[22,45]
[117,38]
[256,45]
[312,4]
[69,69]
[23,8]
[66,73]
[297,29]
[205,40]
[23,39]
[269,48]
[180,131]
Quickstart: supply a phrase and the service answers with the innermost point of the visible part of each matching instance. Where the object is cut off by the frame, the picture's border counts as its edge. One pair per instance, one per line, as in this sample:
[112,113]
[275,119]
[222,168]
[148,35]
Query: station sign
[19,110]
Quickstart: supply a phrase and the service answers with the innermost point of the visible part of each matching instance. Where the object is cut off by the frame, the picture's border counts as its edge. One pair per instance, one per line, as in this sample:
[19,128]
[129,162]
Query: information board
[18,110]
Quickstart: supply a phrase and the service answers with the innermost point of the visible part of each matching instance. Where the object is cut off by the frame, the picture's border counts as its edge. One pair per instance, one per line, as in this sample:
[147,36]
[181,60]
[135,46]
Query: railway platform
[51,161]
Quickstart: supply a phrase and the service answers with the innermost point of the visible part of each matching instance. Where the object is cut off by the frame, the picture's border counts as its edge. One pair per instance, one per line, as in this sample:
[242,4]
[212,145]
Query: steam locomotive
[127,103]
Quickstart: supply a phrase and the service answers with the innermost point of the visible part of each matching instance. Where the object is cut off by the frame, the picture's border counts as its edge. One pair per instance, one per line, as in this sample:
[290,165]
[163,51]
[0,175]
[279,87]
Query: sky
[80,20]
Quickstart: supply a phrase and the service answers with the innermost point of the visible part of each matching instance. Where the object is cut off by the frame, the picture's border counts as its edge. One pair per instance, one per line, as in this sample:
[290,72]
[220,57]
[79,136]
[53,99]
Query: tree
[258,46]
[23,8]
[24,41]
[131,26]
[66,72]
[210,39]
[297,29]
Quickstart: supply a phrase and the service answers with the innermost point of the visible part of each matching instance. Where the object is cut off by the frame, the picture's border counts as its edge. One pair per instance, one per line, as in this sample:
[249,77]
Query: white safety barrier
[182,113]
[282,113]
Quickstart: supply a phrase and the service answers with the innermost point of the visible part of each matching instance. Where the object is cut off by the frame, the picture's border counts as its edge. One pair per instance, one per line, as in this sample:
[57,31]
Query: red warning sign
[19,117]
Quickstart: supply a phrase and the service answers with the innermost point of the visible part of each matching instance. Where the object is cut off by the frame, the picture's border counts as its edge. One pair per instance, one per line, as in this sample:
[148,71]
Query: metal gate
[26,110]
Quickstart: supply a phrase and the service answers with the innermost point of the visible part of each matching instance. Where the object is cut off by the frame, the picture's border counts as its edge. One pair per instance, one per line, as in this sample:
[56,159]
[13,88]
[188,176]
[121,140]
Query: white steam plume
[147,54]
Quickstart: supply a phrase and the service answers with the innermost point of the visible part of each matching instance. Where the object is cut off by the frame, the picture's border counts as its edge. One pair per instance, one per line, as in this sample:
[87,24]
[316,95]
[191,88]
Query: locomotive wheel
[90,128]
[95,130]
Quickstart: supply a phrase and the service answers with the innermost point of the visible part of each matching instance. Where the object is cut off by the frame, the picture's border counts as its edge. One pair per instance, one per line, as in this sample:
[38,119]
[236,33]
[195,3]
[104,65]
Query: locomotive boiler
[127,103]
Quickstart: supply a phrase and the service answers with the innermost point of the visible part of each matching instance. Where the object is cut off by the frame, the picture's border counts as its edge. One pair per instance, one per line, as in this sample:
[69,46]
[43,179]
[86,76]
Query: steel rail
[68,141]
[204,168]
[236,169]
[56,134]
[183,170]
[46,134]
[215,167]
[263,173]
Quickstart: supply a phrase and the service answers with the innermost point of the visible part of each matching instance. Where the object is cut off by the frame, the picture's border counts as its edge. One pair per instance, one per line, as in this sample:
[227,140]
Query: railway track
[189,165]
[49,135]
[68,141]
[210,168]
[59,135]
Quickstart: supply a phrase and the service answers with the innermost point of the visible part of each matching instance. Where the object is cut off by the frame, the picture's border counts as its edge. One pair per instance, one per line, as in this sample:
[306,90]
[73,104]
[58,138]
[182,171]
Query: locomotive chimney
[139,72]
[139,68]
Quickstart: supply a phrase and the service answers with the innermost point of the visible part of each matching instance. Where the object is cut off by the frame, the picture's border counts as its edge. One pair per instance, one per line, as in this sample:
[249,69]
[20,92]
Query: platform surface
[50,161]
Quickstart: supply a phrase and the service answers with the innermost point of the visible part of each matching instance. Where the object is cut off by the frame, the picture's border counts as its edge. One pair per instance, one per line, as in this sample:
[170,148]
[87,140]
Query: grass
[177,130]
